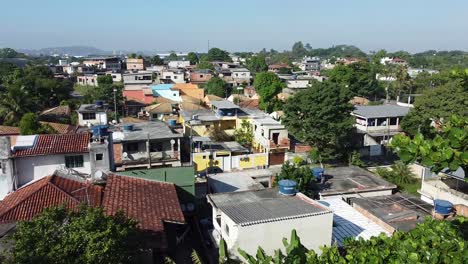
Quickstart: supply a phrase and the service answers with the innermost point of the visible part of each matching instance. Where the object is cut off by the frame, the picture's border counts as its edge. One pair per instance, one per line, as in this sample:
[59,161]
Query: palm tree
[14,102]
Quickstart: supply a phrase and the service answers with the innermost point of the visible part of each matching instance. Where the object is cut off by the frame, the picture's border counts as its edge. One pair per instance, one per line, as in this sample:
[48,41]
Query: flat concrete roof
[399,211]
[376,111]
[235,181]
[143,131]
[224,104]
[352,179]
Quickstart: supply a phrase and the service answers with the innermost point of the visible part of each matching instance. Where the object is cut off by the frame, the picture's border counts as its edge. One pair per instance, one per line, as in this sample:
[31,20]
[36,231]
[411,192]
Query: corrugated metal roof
[375,111]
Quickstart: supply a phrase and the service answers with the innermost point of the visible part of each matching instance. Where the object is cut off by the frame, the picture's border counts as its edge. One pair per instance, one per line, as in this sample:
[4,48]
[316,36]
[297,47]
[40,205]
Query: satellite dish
[98,174]
[125,155]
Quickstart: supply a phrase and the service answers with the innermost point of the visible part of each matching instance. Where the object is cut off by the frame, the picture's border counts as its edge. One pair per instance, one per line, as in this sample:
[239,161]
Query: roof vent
[287,187]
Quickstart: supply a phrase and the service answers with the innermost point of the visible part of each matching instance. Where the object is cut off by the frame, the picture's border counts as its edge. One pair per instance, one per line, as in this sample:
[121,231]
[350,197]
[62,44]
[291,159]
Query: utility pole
[115,104]
[208,46]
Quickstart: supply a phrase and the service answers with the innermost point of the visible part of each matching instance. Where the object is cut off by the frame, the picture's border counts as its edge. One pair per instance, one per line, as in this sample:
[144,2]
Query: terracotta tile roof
[61,128]
[148,202]
[161,108]
[30,200]
[251,104]
[182,86]
[139,95]
[56,144]
[9,130]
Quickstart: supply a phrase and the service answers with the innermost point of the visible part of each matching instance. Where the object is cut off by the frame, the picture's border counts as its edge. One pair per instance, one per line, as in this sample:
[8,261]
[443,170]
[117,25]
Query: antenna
[208,45]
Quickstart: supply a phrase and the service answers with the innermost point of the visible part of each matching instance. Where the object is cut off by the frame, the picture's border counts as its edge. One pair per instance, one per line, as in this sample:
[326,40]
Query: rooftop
[144,131]
[376,111]
[232,146]
[63,110]
[90,108]
[61,128]
[224,104]
[399,211]
[30,200]
[9,130]
[262,206]
[348,222]
[151,203]
[349,180]
[237,181]
[50,144]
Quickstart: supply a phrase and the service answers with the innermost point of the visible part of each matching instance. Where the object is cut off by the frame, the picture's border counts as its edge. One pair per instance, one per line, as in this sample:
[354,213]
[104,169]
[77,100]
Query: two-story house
[172,76]
[272,137]
[138,78]
[201,76]
[135,64]
[377,124]
[92,114]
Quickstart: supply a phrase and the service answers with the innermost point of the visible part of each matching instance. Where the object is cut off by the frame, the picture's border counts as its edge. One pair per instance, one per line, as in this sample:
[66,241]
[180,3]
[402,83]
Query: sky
[236,25]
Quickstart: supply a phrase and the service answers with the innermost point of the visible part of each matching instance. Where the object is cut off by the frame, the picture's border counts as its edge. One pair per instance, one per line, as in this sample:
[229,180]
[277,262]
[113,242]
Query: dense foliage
[83,236]
[448,149]
[244,134]
[30,125]
[192,57]
[320,116]
[302,175]
[257,64]
[216,54]
[433,241]
[216,86]
[267,85]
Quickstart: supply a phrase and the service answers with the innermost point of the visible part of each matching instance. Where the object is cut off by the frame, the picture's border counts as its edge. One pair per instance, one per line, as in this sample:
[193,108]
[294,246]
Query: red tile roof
[9,131]
[139,95]
[30,200]
[56,144]
[148,202]
[61,128]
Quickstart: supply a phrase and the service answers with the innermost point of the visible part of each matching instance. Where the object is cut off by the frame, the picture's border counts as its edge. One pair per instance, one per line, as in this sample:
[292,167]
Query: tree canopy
[267,85]
[83,236]
[172,57]
[156,60]
[320,116]
[192,57]
[257,64]
[216,54]
[216,86]
[30,125]
[306,182]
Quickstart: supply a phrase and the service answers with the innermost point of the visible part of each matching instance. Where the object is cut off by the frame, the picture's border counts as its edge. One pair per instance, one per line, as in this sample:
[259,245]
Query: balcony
[269,143]
[141,158]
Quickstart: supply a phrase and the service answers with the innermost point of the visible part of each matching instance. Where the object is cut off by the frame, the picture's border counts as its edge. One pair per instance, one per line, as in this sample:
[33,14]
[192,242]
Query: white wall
[297,83]
[314,231]
[178,64]
[34,168]
[101,118]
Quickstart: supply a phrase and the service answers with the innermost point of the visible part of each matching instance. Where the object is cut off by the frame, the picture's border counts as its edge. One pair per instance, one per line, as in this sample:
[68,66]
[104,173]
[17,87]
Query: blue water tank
[443,207]
[172,122]
[99,130]
[287,187]
[128,127]
[318,173]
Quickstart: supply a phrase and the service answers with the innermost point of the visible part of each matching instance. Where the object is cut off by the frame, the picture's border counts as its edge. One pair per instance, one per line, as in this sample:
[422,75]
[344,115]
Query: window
[132,147]
[393,121]
[99,156]
[226,229]
[89,116]
[156,146]
[201,76]
[74,161]
[175,77]
[136,78]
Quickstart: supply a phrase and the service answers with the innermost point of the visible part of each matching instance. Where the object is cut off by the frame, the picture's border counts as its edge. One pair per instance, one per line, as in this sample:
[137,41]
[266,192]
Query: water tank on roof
[318,172]
[99,103]
[287,187]
[172,122]
[221,113]
[99,130]
[128,127]
[443,207]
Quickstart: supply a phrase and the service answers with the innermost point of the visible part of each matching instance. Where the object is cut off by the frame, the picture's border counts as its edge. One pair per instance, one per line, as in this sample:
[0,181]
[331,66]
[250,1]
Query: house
[413,72]
[172,76]
[393,61]
[376,125]
[200,76]
[92,114]
[146,145]
[104,63]
[396,212]
[191,90]
[352,181]
[178,64]
[29,158]
[166,91]
[271,137]
[153,204]
[116,76]
[310,64]
[138,78]
[247,219]
[250,92]
[60,114]
[160,111]
[87,80]
[277,67]
[210,98]
[348,222]
[240,76]
[135,64]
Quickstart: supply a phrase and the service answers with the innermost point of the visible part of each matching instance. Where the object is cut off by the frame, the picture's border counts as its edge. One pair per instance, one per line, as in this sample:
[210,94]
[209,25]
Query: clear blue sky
[236,25]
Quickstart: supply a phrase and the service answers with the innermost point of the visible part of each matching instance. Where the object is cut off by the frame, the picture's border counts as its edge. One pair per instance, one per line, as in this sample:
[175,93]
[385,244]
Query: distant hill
[70,50]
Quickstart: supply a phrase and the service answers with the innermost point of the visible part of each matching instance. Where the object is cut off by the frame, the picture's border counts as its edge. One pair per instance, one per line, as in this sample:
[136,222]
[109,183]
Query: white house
[29,158]
[271,137]
[178,64]
[92,114]
[377,124]
[140,77]
[172,76]
[248,219]
[310,64]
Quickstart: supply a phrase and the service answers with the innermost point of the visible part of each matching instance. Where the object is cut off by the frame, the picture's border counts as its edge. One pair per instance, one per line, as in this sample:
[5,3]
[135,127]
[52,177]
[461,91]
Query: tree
[30,125]
[132,55]
[434,241]
[447,150]
[216,86]
[10,53]
[205,65]
[257,64]
[216,54]
[244,134]
[156,60]
[320,116]
[298,50]
[284,70]
[86,235]
[267,85]
[435,105]
[399,174]
[172,57]
[192,57]
[14,102]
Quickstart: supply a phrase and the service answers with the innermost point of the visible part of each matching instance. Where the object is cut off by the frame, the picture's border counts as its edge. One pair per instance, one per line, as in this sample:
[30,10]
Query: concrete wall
[178,64]
[34,168]
[436,189]
[314,231]
[101,118]
[228,163]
